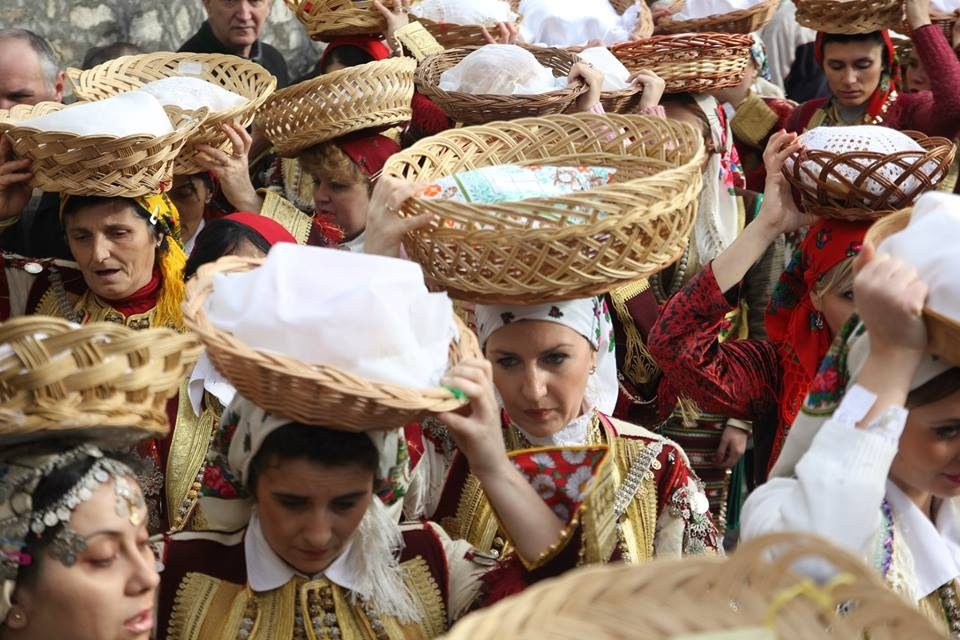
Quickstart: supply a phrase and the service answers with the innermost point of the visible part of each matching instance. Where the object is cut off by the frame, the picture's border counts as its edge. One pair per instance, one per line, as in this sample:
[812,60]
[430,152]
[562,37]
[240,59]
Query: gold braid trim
[638,365]
[426,593]
[753,120]
[418,40]
[202,606]
[188,456]
[278,208]
[638,525]
[475,521]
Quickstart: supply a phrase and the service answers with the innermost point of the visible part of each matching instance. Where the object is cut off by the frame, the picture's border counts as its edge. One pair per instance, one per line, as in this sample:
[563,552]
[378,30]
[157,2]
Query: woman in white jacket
[873,461]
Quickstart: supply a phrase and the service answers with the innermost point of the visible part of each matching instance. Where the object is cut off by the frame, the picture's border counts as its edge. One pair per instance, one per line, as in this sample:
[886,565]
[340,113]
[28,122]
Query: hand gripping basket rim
[695,596]
[517,252]
[312,393]
[834,196]
[470,109]
[689,62]
[329,19]
[741,21]
[850,16]
[371,96]
[112,166]
[451,35]
[943,333]
[233,73]
[101,380]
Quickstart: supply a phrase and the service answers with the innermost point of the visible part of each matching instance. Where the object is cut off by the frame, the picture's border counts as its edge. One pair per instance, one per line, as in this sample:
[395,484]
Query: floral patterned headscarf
[589,317]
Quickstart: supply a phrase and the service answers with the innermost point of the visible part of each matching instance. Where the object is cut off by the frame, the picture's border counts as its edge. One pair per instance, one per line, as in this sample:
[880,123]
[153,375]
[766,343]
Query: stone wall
[73,26]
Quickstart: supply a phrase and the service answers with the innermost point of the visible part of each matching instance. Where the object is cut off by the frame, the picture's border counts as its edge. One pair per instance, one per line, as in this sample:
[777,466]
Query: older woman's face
[853,70]
[540,369]
[115,248]
[929,457]
[308,511]
[109,593]
[347,203]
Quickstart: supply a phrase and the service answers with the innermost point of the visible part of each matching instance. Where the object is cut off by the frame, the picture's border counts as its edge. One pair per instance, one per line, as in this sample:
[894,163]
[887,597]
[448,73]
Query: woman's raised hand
[918,13]
[396,16]
[232,169]
[779,211]
[507,34]
[15,176]
[653,87]
[385,228]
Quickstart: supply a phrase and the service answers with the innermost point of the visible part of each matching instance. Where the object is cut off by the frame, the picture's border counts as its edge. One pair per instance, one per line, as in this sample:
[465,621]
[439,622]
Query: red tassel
[508,579]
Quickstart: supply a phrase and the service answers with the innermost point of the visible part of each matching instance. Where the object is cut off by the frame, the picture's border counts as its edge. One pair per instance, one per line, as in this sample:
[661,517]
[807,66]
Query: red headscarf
[792,323]
[271,230]
[368,151]
[886,91]
[371,44]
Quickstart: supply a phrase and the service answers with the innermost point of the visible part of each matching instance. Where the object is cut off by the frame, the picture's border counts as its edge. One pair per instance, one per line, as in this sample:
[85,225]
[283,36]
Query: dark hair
[219,238]
[76,203]
[323,446]
[687,100]
[874,37]
[107,52]
[346,55]
[49,62]
[935,390]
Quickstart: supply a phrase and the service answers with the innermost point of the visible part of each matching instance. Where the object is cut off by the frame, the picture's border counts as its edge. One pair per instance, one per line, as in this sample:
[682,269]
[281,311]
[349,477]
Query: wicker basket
[309,393]
[729,596]
[11,117]
[329,19]
[943,334]
[850,16]
[944,22]
[453,36]
[129,166]
[690,62]
[479,109]
[58,380]
[741,21]
[375,95]
[235,74]
[826,191]
[527,251]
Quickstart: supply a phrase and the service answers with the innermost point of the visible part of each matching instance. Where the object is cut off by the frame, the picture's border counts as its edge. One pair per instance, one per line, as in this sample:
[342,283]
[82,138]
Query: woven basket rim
[281,99]
[195,318]
[846,15]
[704,24]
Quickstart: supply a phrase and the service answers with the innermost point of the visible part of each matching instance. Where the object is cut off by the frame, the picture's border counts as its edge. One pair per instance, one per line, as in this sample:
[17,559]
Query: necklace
[679,274]
[951,607]
[516,439]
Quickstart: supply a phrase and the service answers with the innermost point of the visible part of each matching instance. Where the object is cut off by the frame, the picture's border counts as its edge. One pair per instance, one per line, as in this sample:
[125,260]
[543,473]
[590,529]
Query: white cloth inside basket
[928,243]
[882,140]
[509,183]
[616,77]
[568,23]
[368,315]
[500,69]
[193,93]
[128,114]
[944,6]
[484,12]
[696,9]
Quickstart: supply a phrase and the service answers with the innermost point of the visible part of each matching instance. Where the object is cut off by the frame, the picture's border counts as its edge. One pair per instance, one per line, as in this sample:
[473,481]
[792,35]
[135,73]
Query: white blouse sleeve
[839,483]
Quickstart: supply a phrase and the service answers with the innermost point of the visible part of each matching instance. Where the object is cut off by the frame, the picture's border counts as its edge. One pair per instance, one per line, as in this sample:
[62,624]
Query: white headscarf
[587,316]
[378,539]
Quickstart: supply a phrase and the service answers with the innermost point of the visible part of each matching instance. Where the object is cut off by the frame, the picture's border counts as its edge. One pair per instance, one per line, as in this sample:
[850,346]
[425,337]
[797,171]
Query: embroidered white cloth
[369,315]
[127,114]
[500,69]
[616,77]
[484,12]
[696,9]
[929,243]
[192,93]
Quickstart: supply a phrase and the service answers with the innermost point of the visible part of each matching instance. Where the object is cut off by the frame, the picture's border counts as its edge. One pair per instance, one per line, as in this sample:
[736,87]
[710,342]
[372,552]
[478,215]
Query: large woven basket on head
[233,73]
[375,95]
[13,116]
[545,249]
[690,62]
[944,22]
[850,16]
[745,595]
[453,36]
[836,184]
[943,334]
[471,108]
[312,393]
[125,166]
[328,19]
[740,21]
[59,380]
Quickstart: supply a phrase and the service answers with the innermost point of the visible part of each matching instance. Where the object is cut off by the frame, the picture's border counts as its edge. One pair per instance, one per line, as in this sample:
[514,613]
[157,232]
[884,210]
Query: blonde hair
[332,163]
[839,279]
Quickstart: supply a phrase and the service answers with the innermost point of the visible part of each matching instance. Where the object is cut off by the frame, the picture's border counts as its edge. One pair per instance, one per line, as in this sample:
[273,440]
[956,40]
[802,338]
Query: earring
[818,321]
[16,619]
[593,369]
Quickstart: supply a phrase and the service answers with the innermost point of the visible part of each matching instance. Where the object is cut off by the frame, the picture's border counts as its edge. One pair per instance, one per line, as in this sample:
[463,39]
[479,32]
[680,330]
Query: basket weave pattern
[105,165]
[368,96]
[9,118]
[693,62]
[823,178]
[850,16]
[312,393]
[328,19]
[740,21]
[545,249]
[478,108]
[663,599]
[56,378]
[235,74]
